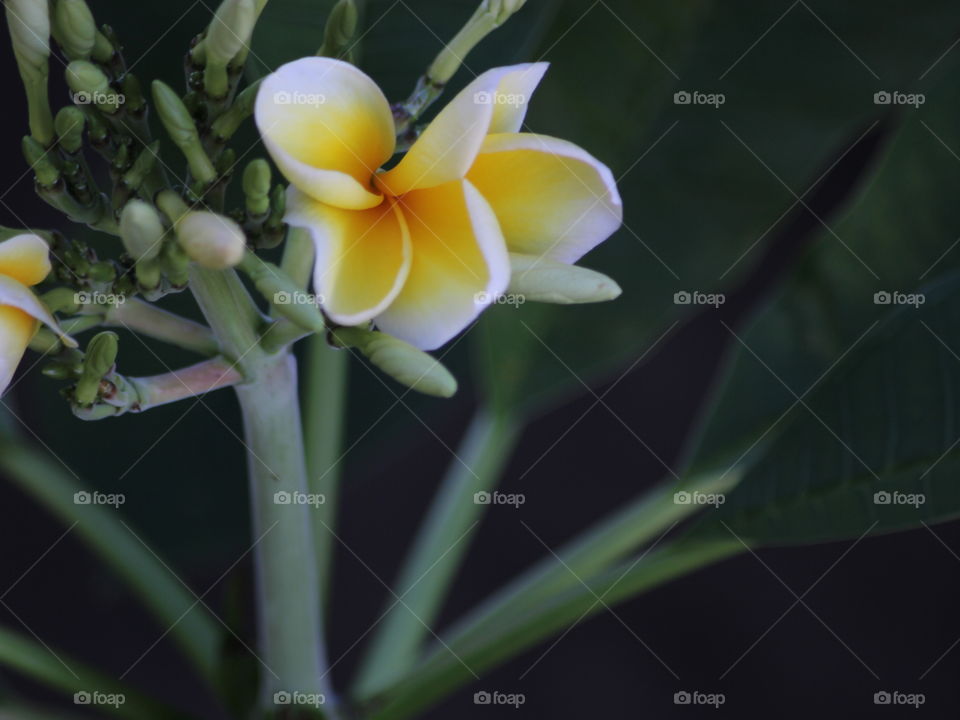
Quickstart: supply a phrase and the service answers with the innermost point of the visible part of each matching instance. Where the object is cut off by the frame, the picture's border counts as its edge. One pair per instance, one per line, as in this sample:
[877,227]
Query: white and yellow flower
[421,248]
[24,262]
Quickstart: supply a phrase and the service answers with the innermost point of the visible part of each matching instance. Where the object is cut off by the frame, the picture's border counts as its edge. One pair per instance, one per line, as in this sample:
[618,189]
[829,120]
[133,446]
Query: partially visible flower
[422,248]
[24,261]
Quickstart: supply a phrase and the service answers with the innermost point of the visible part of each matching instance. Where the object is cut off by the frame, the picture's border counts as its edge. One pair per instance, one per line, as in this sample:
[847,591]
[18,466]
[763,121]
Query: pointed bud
[286,297]
[229,31]
[142,230]
[539,279]
[38,158]
[29,23]
[100,357]
[488,17]
[339,31]
[256,186]
[74,28]
[91,86]
[212,241]
[401,361]
[182,130]
[69,125]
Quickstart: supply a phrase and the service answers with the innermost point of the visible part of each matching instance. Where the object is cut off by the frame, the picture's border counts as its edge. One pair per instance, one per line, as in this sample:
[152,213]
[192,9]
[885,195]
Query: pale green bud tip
[142,230]
[90,85]
[230,30]
[212,241]
[29,22]
[342,23]
[256,186]
[69,125]
[102,353]
[401,361]
[539,279]
[75,27]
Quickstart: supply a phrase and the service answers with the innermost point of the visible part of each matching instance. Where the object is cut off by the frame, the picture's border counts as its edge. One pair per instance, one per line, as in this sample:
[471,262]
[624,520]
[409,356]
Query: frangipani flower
[421,248]
[24,261]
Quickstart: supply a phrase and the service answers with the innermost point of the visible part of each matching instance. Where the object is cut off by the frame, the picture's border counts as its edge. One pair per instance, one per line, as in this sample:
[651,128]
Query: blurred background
[788,186]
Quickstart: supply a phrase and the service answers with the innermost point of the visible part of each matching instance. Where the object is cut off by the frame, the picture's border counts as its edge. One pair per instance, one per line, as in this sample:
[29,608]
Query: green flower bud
[182,130]
[38,158]
[285,296]
[229,31]
[142,230]
[339,31]
[100,357]
[69,125]
[175,264]
[256,186]
[91,86]
[539,279]
[29,22]
[488,17]
[212,241]
[74,28]
[401,361]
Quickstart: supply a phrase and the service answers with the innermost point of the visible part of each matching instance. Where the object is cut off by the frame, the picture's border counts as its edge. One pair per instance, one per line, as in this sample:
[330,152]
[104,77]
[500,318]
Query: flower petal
[362,259]
[16,295]
[495,102]
[328,127]
[460,265]
[552,198]
[25,258]
[16,330]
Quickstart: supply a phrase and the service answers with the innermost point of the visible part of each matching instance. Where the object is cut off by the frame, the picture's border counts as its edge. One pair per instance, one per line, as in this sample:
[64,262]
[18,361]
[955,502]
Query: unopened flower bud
[539,279]
[69,125]
[256,186]
[29,22]
[74,28]
[339,31]
[91,86]
[142,230]
[38,158]
[101,354]
[182,130]
[400,360]
[230,30]
[212,241]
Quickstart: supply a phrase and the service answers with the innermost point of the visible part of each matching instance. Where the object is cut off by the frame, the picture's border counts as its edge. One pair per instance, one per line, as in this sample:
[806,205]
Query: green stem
[438,550]
[231,313]
[445,668]
[204,377]
[325,395]
[288,596]
[149,320]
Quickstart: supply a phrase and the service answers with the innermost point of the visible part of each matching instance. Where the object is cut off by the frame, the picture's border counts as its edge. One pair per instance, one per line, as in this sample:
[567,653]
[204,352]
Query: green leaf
[703,188]
[875,446]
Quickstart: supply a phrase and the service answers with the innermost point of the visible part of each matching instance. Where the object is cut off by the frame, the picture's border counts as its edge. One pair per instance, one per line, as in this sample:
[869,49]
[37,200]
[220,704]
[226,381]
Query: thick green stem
[147,319]
[438,550]
[325,403]
[288,594]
